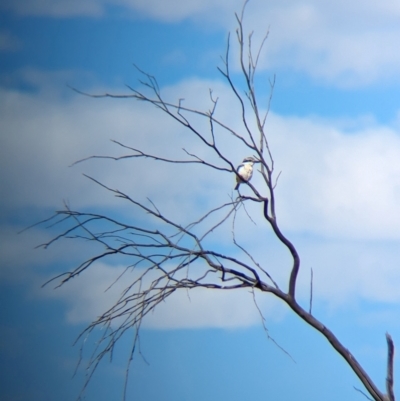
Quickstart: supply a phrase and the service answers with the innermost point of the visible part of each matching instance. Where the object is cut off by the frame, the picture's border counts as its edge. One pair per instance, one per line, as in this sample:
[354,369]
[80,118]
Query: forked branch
[166,256]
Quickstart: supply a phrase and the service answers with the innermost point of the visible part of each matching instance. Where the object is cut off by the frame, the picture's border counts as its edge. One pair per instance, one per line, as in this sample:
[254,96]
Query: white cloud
[91,295]
[40,144]
[347,272]
[341,43]
[348,184]
[338,186]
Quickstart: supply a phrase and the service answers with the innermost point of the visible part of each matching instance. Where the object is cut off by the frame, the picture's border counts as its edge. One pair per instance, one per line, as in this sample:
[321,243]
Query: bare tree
[172,256]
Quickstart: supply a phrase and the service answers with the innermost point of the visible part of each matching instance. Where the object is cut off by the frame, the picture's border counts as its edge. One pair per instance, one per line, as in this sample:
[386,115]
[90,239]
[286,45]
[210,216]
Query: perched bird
[245,170]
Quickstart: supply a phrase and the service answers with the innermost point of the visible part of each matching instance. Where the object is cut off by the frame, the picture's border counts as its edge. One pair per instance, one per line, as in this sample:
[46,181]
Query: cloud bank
[338,185]
[91,295]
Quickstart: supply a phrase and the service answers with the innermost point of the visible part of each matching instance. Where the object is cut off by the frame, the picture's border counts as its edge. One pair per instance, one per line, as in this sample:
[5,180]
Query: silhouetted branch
[389,375]
[166,256]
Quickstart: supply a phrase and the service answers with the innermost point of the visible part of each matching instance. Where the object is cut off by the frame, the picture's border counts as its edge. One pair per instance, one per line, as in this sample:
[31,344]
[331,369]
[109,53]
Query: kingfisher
[245,170]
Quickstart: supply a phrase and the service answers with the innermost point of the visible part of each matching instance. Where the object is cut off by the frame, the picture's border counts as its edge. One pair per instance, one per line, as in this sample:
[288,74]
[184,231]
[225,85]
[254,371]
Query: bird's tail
[237,186]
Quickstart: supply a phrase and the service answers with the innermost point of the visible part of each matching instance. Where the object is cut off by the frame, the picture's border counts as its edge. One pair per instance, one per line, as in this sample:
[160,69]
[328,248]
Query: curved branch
[289,246]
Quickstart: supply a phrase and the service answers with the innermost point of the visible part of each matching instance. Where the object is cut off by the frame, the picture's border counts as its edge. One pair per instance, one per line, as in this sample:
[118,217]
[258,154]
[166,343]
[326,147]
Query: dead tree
[170,256]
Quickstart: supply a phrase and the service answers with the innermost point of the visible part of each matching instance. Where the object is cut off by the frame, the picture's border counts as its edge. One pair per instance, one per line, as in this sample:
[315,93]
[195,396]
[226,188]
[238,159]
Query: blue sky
[334,128]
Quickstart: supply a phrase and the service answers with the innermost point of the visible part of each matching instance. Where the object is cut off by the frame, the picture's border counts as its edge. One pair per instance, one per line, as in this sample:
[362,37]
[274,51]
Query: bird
[245,171]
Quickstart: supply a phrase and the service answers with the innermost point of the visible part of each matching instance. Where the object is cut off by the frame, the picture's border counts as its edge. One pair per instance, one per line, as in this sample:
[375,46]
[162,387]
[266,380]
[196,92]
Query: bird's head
[250,159]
